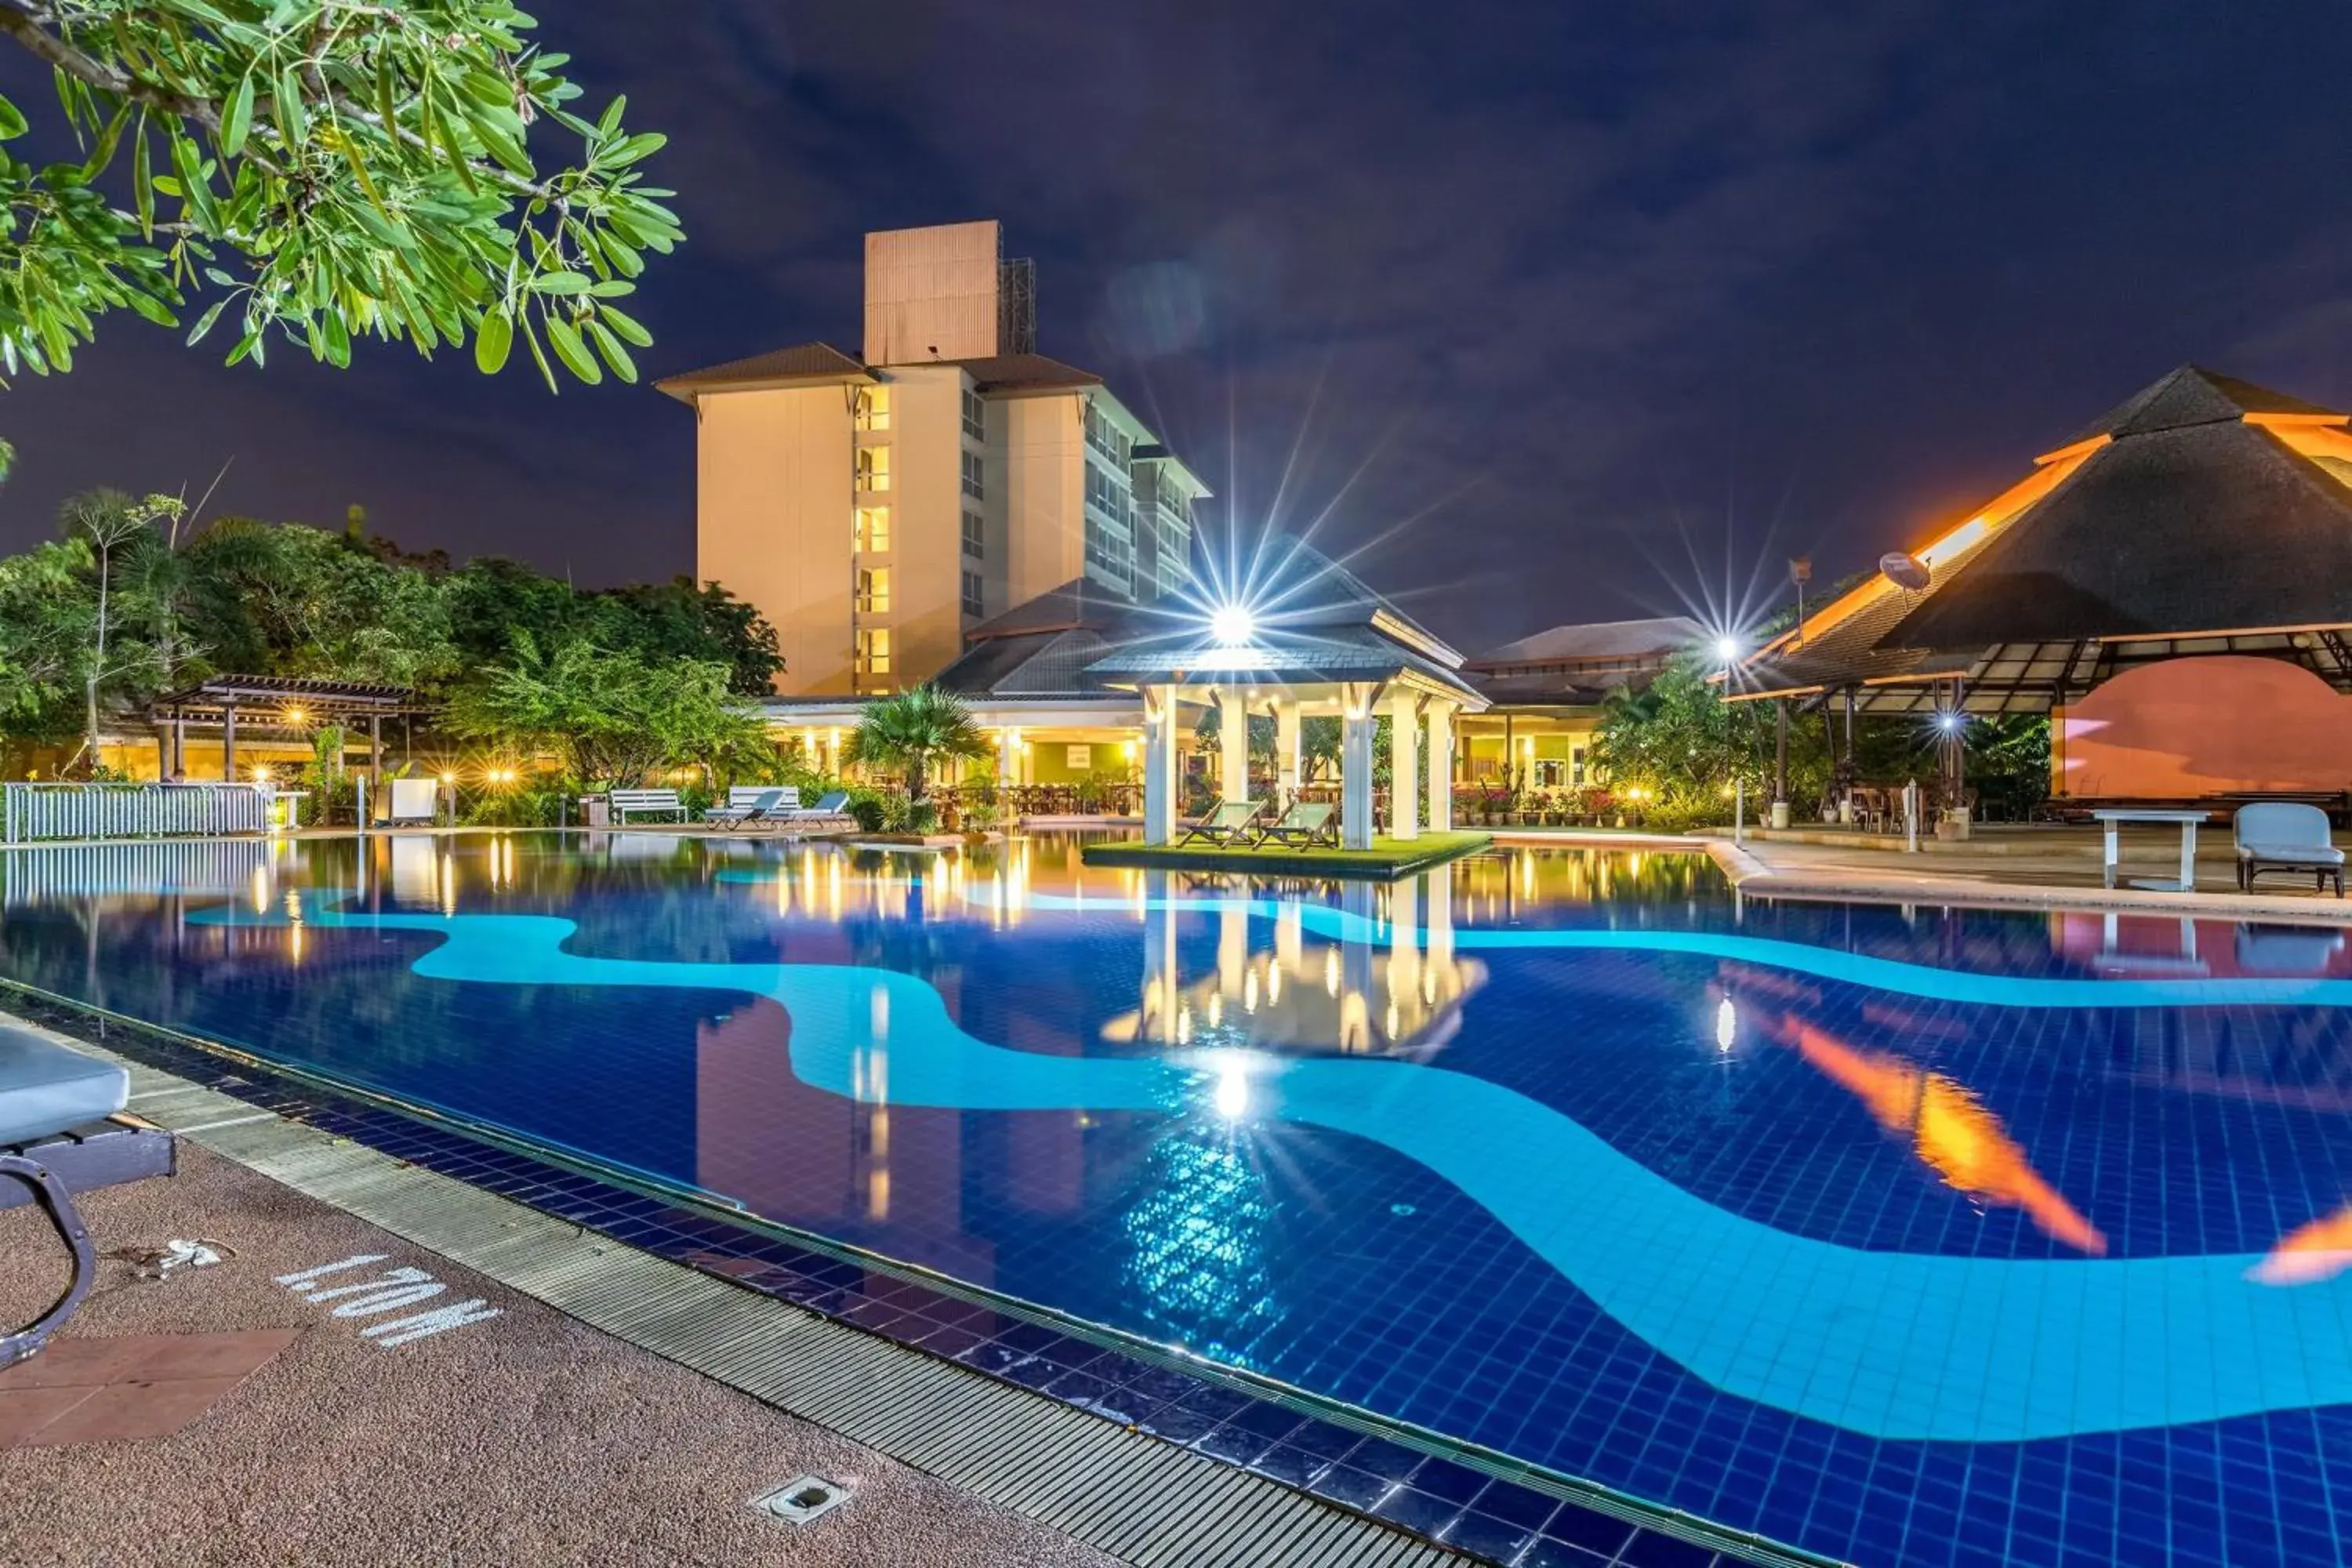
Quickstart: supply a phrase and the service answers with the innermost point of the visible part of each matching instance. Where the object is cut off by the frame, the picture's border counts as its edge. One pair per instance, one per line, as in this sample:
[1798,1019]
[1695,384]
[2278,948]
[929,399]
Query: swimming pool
[1914,1236]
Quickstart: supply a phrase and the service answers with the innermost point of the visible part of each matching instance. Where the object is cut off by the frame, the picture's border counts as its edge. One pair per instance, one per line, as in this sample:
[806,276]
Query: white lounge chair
[2286,835]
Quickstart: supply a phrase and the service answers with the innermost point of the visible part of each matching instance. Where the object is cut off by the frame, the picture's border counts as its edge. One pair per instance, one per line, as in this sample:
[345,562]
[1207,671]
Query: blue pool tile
[1418,1511]
[1346,1484]
[1600,1533]
[1650,1550]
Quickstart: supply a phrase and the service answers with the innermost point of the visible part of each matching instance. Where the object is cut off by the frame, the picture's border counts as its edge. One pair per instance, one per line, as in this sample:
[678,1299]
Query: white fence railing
[38,811]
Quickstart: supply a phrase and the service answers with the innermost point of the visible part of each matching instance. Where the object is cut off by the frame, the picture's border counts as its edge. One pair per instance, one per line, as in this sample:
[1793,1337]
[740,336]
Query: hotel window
[972,594]
[874,408]
[1576,765]
[972,485]
[975,535]
[874,589]
[975,418]
[873,534]
[874,650]
[873,467]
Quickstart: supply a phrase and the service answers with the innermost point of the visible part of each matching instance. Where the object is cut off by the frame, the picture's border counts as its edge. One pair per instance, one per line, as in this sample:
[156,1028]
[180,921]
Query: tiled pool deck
[1479,1510]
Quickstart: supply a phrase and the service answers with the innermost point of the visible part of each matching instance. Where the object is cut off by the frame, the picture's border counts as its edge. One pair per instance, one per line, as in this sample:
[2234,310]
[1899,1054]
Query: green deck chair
[1228,824]
[1308,823]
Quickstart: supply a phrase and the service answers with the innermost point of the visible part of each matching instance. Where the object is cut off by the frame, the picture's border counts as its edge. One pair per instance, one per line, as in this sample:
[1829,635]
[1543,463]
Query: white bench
[646,803]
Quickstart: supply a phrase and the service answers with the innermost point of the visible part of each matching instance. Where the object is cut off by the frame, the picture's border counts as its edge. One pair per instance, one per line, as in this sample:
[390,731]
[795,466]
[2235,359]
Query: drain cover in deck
[803,1499]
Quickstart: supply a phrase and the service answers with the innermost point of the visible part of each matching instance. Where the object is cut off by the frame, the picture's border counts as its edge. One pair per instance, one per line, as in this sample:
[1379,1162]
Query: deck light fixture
[1231,626]
[1727,649]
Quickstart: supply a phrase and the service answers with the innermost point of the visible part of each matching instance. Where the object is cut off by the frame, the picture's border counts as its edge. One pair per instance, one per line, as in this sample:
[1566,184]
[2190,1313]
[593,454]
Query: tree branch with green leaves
[320,171]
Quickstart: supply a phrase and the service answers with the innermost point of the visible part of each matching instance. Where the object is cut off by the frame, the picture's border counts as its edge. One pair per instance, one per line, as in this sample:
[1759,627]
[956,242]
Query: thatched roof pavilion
[2203,515]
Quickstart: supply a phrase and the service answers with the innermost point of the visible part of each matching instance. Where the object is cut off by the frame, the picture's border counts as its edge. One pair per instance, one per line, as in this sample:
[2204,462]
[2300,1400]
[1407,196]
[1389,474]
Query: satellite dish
[1904,571]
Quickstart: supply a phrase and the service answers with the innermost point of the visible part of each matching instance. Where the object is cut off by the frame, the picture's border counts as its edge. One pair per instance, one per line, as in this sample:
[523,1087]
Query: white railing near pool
[38,811]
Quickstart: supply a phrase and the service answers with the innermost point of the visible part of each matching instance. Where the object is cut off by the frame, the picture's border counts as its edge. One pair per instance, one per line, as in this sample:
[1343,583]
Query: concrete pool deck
[2022,869]
[526,1437]
[513,1430]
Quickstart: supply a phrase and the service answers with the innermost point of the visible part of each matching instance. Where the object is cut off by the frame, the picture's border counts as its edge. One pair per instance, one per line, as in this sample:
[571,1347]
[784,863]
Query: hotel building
[877,507]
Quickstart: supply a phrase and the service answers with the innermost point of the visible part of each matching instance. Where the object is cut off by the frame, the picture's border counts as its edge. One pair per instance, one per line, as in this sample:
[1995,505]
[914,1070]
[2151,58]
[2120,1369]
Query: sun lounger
[832,803]
[57,1138]
[1228,824]
[2286,835]
[753,803]
[1308,823]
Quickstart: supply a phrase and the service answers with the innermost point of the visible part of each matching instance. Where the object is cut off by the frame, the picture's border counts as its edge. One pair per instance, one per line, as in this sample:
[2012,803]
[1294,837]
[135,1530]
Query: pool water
[1901,1235]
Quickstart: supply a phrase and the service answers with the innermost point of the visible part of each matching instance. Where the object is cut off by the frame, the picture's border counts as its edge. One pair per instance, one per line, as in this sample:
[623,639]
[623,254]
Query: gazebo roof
[2202,505]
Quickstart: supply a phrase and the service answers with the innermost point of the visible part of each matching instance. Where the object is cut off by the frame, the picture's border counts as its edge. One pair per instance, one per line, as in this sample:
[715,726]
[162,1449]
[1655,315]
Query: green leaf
[237,118]
[625,327]
[615,354]
[644,144]
[559,283]
[291,123]
[204,322]
[151,308]
[12,120]
[143,181]
[566,340]
[492,341]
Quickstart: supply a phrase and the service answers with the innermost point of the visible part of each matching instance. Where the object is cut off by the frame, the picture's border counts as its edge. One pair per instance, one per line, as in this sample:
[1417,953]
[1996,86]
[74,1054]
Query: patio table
[2113,818]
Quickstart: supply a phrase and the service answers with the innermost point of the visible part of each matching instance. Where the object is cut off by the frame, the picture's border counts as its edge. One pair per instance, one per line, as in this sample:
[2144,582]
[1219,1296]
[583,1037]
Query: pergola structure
[2203,516]
[279,704]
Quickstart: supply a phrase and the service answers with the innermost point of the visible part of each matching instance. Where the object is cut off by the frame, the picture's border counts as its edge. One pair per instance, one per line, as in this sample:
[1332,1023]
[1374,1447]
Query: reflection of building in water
[845,1167]
[1950,1132]
[1356,996]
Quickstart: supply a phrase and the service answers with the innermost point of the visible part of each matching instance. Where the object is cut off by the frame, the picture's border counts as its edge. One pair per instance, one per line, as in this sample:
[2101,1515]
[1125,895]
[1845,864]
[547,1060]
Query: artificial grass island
[1386,857]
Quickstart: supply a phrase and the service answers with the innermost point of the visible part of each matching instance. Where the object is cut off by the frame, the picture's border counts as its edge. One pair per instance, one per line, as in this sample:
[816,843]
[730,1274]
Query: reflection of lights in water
[1184,1025]
[260,891]
[1196,1268]
[1216,1009]
[1232,1092]
[1273,983]
[1249,992]
[1332,970]
[1727,1025]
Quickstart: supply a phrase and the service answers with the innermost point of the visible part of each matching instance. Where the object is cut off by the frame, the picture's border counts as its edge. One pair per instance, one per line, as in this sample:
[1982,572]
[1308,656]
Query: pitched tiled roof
[2191,395]
[1025,373]
[1659,636]
[777,367]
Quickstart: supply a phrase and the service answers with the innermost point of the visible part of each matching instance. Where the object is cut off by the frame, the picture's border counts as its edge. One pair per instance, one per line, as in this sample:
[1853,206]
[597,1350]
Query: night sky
[1595,300]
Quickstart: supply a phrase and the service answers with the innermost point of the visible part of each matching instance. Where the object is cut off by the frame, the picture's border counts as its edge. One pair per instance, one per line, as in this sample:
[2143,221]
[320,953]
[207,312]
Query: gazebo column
[1355,766]
[1780,762]
[1441,767]
[1287,768]
[375,748]
[1160,769]
[163,751]
[1008,756]
[1404,766]
[1233,745]
[229,743]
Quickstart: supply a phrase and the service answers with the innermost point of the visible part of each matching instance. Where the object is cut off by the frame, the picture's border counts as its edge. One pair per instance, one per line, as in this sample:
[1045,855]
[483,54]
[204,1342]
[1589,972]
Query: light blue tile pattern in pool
[1919,1238]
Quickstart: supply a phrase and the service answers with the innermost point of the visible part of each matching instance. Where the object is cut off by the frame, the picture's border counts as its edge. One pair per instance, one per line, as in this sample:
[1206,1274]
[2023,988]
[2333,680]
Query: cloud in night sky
[1594,295]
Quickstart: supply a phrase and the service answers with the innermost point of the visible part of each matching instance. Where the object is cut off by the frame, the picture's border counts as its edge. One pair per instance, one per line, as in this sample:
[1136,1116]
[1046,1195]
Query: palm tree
[909,731]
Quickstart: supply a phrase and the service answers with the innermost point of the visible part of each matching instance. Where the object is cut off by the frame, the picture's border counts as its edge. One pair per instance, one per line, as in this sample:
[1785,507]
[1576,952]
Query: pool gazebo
[1322,646]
